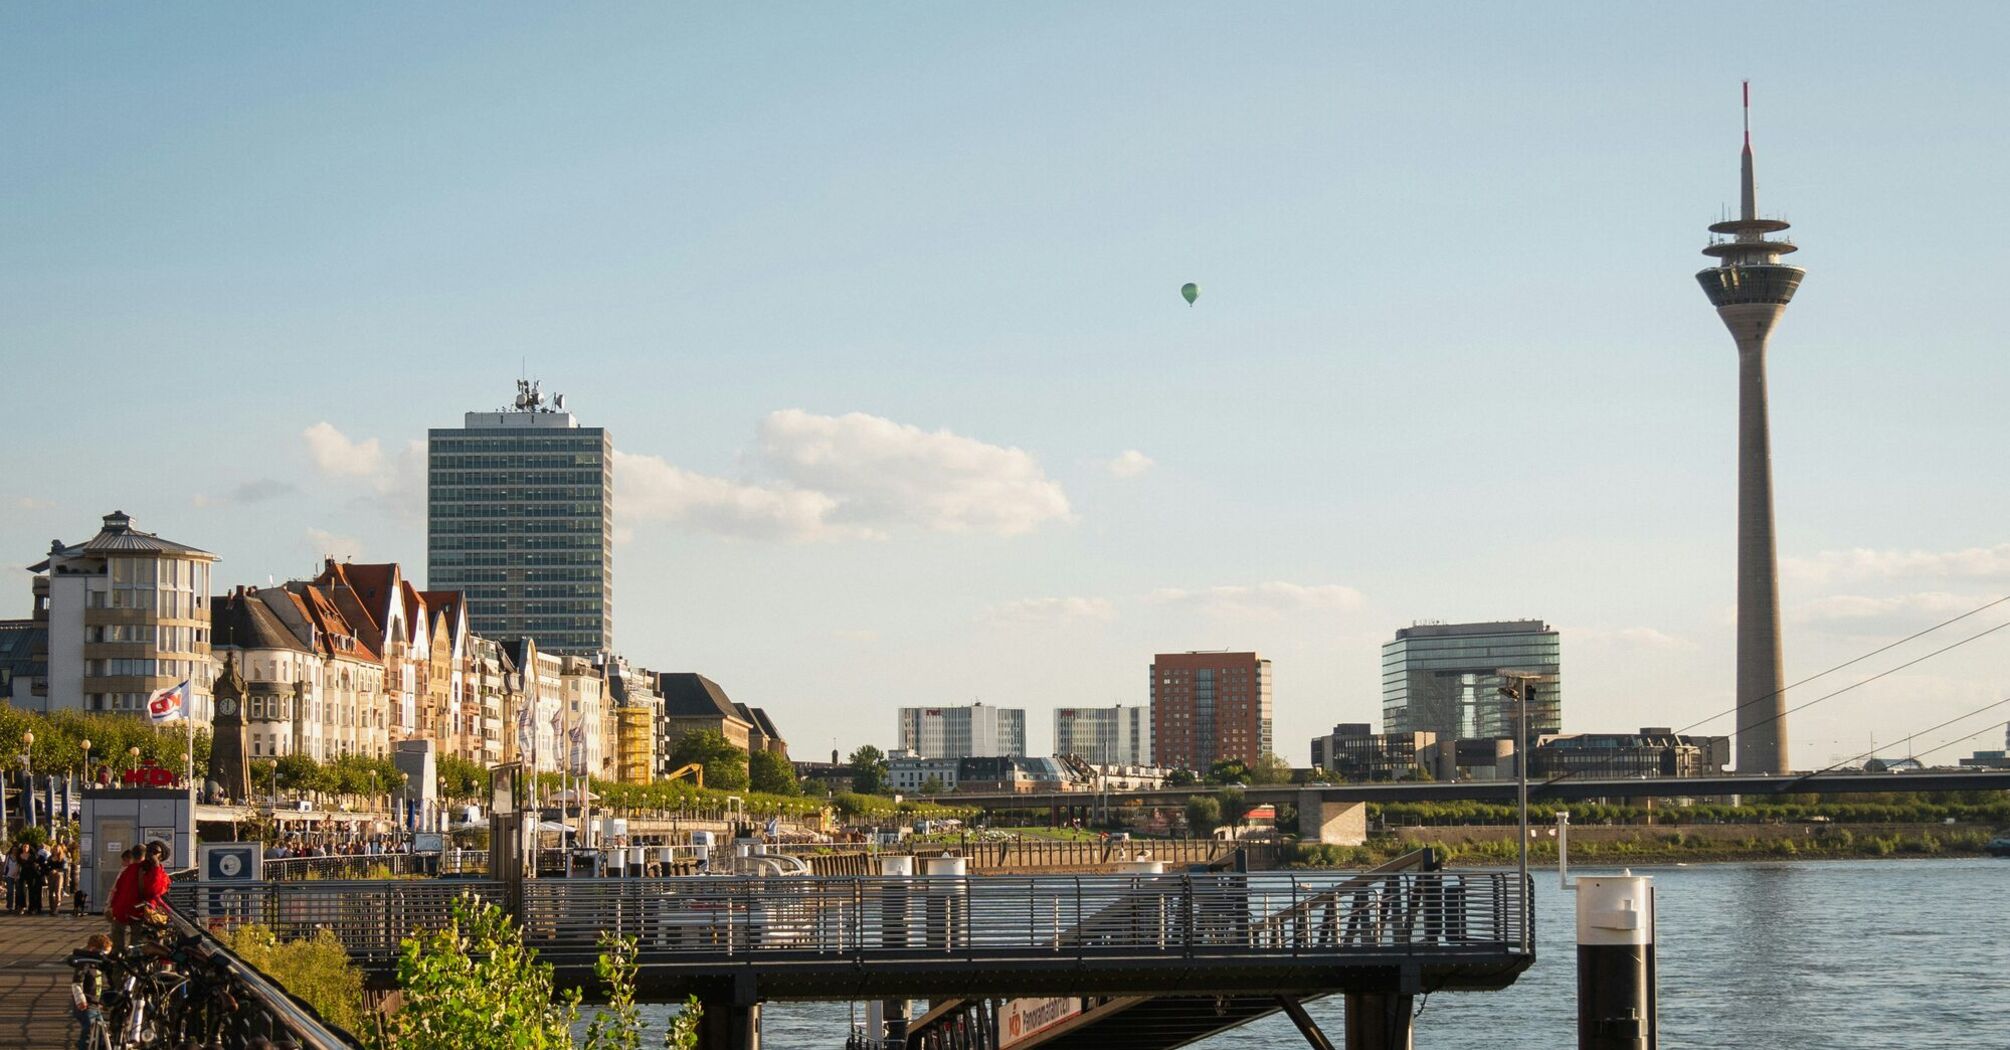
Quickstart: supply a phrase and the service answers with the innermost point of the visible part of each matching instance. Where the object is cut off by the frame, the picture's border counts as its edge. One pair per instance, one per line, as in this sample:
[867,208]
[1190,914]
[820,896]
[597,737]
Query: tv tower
[1750,288]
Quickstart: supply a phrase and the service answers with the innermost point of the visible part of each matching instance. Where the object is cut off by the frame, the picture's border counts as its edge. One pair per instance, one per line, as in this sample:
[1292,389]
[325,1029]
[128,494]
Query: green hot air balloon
[1191,291]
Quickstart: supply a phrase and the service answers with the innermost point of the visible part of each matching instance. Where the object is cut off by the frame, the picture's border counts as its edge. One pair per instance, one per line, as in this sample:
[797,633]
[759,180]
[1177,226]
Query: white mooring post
[1615,963]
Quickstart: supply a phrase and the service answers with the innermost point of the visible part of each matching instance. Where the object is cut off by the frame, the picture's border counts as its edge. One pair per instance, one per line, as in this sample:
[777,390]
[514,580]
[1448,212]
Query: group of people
[37,878]
[294,846]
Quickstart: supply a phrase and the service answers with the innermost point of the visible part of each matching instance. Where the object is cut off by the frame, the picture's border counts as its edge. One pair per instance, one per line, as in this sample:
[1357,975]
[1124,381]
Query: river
[1809,955]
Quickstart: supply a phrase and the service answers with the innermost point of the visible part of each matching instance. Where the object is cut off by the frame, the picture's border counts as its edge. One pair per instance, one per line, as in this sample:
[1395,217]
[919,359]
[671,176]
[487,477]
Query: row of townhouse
[351,662]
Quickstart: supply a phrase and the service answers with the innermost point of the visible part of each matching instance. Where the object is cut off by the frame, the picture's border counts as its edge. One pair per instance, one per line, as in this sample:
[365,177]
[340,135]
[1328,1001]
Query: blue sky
[873,299]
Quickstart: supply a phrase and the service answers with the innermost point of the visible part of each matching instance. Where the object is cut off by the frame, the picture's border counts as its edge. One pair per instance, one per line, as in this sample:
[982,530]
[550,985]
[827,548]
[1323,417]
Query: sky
[881,306]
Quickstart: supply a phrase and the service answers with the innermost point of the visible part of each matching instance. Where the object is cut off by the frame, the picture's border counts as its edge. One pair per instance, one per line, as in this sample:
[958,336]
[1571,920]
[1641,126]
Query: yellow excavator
[696,771]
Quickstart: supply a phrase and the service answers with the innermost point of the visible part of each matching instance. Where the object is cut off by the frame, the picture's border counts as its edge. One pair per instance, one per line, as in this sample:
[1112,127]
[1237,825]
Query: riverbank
[1703,843]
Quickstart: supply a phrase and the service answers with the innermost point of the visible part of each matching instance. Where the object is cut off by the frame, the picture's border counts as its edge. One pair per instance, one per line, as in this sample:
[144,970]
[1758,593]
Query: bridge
[736,942]
[1335,813]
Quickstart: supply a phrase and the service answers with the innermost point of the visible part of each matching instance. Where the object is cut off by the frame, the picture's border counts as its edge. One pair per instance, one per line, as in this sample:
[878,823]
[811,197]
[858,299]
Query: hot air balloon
[1191,291]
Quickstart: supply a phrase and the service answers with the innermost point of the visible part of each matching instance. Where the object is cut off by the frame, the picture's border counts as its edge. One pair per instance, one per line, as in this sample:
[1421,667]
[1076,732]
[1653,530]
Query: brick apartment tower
[1207,706]
[1750,288]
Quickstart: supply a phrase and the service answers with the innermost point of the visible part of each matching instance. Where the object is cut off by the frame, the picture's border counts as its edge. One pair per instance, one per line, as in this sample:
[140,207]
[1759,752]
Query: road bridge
[1334,812]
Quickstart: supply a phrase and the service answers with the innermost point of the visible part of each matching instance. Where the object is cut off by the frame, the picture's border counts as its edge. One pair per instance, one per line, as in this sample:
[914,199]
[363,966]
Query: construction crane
[697,774]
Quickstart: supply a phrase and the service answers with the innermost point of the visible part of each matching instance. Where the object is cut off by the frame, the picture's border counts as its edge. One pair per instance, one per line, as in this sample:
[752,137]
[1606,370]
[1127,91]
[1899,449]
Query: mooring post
[896,910]
[1615,963]
[1378,1021]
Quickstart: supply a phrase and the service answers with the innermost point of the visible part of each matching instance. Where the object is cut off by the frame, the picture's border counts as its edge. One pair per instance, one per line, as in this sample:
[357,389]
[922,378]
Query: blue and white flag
[169,705]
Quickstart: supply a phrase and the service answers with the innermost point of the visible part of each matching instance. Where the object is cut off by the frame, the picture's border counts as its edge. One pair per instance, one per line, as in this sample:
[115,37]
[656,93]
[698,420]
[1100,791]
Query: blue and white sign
[231,862]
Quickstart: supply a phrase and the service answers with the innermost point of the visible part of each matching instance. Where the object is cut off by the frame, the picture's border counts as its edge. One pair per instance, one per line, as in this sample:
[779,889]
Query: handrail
[298,1018]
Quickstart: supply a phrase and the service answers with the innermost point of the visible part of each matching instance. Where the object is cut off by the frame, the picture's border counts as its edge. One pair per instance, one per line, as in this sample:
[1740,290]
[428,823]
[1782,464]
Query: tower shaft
[1762,705]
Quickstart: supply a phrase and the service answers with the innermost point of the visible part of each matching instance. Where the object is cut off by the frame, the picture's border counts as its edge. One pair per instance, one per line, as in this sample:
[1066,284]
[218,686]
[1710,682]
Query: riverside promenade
[35,978]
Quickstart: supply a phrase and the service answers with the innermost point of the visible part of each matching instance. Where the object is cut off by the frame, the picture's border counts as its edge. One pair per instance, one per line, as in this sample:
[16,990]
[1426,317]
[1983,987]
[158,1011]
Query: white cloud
[1897,613]
[1862,563]
[1129,464]
[650,489]
[847,477]
[1272,599]
[1631,637]
[324,544]
[396,482]
[882,473]
[1053,610]
[333,452]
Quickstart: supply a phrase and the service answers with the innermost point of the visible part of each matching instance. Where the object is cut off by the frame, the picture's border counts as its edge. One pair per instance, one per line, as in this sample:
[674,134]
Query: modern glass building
[1106,736]
[520,519]
[1442,678]
[971,730]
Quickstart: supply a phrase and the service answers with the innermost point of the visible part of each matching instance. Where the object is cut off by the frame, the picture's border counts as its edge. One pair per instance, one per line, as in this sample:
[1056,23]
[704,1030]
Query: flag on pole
[576,756]
[169,704]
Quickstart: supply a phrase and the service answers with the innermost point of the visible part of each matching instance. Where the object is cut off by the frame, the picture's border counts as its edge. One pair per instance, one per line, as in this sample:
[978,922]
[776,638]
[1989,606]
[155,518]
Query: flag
[576,755]
[170,704]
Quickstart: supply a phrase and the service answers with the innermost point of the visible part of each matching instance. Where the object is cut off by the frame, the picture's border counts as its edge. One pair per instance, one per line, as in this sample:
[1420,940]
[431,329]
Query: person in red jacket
[142,888]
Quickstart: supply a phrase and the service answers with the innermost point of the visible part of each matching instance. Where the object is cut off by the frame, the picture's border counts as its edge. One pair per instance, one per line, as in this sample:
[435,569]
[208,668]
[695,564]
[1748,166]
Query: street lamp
[85,746]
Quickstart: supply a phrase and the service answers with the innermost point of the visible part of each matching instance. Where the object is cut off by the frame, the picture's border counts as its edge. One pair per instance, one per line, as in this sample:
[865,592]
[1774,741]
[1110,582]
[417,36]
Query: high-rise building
[967,731]
[1750,288]
[1209,706]
[1119,735]
[520,519]
[127,615]
[1443,678]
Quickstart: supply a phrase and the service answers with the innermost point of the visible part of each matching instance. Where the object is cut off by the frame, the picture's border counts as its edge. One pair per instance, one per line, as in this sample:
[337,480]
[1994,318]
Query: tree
[1180,778]
[771,771]
[1228,771]
[933,786]
[868,770]
[725,765]
[297,773]
[1270,769]
[464,779]
[1203,814]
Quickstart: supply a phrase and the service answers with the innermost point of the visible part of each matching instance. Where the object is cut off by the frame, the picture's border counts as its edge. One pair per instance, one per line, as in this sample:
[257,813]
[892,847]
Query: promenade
[35,980]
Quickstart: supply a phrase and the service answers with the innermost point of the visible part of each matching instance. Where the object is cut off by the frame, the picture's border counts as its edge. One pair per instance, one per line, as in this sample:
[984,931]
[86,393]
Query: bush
[315,969]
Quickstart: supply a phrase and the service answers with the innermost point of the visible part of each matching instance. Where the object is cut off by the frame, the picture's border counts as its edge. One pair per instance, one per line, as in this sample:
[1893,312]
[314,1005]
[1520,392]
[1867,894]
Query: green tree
[725,765]
[932,786]
[1270,769]
[317,969]
[1228,771]
[868,770]
[772,772]
[1203,814]
[298,773]
[465,780]
[1180,778]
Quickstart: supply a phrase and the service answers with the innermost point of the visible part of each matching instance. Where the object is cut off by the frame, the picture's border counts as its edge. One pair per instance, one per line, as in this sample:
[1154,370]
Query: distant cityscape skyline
[888,327]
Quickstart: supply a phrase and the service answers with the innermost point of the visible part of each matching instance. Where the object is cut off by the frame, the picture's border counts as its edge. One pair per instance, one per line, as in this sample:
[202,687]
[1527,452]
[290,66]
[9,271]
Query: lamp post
[84,745]
[134,754]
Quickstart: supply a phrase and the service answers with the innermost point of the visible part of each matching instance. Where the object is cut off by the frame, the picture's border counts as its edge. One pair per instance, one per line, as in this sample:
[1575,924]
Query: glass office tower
[1441,678]
[520,519]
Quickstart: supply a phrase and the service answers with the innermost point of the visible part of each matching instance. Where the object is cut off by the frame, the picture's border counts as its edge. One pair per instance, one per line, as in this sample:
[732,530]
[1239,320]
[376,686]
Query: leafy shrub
[317,969]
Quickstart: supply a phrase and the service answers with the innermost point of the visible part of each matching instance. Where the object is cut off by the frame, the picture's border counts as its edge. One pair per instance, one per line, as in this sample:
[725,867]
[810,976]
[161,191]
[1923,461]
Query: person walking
[59,877]
[34,877]
[122,887]
[11,871]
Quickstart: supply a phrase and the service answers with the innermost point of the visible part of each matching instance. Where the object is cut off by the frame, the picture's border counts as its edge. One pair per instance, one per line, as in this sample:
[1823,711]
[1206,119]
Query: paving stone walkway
[35,979]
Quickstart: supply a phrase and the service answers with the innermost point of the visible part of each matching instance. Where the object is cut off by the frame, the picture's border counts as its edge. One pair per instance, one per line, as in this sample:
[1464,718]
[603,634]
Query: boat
[1998,846]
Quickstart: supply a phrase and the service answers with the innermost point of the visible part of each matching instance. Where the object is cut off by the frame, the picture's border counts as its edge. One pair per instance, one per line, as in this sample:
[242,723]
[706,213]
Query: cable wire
[1858,660]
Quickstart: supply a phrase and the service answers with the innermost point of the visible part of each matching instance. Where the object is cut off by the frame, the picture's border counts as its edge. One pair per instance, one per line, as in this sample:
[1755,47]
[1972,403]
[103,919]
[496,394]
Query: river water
[1813,955]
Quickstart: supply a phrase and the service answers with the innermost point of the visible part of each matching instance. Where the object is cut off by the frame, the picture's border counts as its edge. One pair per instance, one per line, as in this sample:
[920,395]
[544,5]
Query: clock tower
[228,767]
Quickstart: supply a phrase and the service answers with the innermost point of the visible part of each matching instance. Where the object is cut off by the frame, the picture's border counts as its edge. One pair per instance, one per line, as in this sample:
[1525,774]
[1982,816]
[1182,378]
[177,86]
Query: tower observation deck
[1750,287]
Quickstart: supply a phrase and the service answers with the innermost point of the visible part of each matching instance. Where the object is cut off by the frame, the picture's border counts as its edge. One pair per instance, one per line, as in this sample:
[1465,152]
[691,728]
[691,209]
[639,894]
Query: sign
[1021,1019]
[231,862]
[428,842]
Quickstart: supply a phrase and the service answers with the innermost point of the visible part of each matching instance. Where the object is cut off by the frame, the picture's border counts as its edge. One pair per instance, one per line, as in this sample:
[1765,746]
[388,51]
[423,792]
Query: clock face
[227,705]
